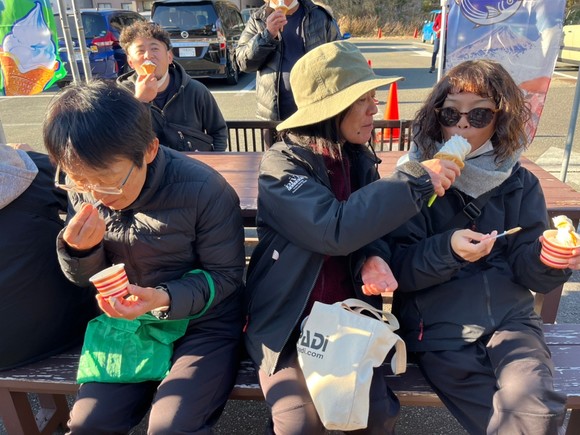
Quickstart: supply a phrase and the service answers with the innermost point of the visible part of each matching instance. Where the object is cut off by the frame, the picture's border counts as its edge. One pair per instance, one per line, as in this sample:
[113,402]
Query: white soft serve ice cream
[457,146]
[30,42]
[455,150]
[565,235]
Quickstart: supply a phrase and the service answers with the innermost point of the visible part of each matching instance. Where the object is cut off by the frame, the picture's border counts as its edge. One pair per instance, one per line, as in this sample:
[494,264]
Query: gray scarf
[481,172]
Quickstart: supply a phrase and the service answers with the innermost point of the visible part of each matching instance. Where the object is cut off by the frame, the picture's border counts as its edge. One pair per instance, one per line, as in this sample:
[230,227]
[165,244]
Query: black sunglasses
[479,117]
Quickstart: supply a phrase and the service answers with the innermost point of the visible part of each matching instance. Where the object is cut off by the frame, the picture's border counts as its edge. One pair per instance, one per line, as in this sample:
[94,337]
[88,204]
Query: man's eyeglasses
[479,117]
[61,182]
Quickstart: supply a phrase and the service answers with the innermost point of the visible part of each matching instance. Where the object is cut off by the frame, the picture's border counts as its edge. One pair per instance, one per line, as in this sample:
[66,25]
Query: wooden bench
[248,135]
[55,378]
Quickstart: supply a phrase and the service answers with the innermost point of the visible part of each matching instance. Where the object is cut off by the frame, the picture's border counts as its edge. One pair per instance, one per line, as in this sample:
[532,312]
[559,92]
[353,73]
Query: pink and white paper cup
[111,282]
[554,254]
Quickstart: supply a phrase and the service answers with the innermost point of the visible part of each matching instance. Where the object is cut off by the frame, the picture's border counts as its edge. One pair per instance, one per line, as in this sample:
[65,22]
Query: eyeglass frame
[90,187]
[466,114]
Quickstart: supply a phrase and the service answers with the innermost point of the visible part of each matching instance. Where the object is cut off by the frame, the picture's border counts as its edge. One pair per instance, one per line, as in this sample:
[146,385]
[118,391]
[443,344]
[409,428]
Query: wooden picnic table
[241,171]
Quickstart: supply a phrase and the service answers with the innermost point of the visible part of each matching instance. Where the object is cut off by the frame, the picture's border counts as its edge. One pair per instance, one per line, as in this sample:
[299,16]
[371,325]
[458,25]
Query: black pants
[189,400]
[436,44]
[504,386]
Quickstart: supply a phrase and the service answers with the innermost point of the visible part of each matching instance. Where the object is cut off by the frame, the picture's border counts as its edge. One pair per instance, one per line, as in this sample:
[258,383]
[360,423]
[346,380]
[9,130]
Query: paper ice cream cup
[17,82]
[554,254]
[111,282]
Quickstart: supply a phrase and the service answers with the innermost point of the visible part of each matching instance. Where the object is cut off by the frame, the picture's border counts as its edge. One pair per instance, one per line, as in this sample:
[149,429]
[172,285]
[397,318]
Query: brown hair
[143,29]
[485,78]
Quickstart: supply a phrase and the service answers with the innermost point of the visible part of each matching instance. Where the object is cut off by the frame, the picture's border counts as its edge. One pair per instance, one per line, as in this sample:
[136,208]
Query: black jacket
[191,119]
[259,52]
[300,221]
[186,217]
[41,312]
[443,301]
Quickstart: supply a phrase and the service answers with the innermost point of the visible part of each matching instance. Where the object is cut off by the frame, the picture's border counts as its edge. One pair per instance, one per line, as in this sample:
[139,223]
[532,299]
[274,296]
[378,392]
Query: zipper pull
[421,330]
[180,135]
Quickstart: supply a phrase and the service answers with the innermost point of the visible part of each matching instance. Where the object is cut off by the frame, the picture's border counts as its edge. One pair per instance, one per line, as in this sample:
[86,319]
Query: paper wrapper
[23,83]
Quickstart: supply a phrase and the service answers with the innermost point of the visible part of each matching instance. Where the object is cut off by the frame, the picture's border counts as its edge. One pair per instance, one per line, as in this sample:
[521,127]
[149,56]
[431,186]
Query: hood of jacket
[17,172]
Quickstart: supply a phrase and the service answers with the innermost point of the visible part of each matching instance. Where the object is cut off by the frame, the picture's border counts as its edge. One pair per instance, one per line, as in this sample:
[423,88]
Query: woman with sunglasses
[463,301]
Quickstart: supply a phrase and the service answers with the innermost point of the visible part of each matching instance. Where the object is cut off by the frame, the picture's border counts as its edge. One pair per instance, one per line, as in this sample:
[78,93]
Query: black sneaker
[431,70]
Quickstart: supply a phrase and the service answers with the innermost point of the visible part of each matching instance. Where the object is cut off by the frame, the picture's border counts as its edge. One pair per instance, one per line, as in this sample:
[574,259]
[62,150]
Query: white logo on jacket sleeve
[296,181]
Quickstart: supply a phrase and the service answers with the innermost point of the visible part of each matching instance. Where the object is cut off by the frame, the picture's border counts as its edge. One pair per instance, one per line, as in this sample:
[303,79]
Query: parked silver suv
[204,35]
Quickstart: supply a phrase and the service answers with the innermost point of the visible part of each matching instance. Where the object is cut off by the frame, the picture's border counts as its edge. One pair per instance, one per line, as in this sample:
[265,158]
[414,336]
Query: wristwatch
[162,313]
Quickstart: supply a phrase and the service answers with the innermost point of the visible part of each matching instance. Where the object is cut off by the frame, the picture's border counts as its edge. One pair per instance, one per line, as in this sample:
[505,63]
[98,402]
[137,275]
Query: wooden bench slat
[55,377]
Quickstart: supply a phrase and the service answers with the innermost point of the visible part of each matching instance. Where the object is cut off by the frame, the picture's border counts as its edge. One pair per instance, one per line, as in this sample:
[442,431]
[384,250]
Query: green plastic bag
[129,351]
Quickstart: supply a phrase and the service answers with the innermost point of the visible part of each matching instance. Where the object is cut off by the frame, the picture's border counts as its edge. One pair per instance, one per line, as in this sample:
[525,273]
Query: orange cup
[553,254]
[111,282]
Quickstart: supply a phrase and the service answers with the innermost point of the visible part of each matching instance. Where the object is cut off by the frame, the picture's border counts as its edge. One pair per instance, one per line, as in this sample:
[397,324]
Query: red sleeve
[437,23]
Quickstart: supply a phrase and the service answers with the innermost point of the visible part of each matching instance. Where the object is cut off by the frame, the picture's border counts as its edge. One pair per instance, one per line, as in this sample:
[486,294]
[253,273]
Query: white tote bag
[337,351]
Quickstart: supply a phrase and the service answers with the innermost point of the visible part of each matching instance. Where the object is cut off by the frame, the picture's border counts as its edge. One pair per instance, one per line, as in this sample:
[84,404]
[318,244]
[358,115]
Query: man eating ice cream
[275,37]
[185,115]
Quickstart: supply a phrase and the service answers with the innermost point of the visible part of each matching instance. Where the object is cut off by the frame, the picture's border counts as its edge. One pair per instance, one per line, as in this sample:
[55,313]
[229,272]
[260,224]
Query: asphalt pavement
[22,118]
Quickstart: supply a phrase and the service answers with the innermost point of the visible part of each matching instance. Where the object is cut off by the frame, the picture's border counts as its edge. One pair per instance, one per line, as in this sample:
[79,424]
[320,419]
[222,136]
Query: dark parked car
[204,35]
[102,29]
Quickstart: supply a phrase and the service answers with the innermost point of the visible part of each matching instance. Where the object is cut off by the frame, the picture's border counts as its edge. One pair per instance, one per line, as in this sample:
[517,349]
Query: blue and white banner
[523,35]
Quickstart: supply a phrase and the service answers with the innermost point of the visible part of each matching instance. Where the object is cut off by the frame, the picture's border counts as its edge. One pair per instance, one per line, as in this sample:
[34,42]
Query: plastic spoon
[505,233]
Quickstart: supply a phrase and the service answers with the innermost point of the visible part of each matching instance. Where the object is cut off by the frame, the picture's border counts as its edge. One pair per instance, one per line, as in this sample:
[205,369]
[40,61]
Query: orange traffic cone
[416,33]
[380,34]
[392,112]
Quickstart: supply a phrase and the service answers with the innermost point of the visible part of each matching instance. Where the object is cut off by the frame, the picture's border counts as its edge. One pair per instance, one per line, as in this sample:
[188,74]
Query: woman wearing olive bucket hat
[322,210]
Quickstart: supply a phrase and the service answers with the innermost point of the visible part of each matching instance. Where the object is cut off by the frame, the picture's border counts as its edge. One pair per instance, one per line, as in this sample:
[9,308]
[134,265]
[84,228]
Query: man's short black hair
[96,123]
[143,29]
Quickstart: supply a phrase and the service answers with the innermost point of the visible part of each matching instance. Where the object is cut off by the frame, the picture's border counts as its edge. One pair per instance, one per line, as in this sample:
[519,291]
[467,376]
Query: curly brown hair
[485,78]
[143,29]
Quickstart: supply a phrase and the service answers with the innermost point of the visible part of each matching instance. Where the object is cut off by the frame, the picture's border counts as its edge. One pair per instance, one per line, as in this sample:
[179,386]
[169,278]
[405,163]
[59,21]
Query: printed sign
[523,35]
[29,57]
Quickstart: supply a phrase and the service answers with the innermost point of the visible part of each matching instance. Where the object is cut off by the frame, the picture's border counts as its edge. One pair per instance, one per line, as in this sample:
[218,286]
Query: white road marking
[423,53]
[250,87]
[565,75]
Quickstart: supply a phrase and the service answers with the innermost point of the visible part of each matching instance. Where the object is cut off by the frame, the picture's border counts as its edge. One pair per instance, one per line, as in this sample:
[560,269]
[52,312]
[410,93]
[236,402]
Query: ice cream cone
[454,150]
[23,83]
[147,68]
[452,158]
[283,8]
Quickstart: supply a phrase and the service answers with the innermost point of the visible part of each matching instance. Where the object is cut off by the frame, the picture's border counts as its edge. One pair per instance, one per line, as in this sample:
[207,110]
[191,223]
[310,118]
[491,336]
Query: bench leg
[573,423]
[550,305]
[54,412]
[19,419]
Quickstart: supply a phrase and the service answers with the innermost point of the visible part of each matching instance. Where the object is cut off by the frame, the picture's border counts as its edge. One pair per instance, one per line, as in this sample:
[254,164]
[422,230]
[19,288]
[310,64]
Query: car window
[236,20]
[185,17]
[94,25]
[71,25]
[119,21]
